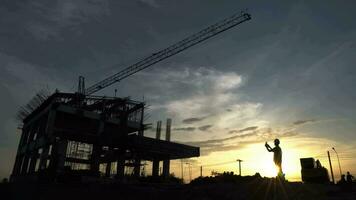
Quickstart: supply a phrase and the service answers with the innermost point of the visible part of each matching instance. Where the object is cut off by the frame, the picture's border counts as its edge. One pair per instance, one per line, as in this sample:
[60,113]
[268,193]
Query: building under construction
[77,135]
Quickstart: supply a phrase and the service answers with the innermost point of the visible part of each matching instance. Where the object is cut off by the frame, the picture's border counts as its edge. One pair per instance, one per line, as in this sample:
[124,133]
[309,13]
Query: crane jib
[171,50]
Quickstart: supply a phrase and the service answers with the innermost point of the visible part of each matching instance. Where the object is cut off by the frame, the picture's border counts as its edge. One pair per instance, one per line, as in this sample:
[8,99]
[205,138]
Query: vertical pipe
[331,169]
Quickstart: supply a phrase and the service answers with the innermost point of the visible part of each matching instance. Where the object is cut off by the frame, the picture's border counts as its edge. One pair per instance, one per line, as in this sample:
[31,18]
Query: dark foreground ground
[201,189]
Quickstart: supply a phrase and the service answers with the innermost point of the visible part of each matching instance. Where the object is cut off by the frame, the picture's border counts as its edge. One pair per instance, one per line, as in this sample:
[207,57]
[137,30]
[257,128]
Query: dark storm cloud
[251,128]
[193,120]
[188,129]
[300,122]
[205,128]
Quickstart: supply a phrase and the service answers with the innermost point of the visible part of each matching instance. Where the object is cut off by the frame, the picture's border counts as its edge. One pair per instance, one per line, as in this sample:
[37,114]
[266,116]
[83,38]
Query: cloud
[239,141]
[300,122]
[200,96]
[185,129]
[205,127]
[46,21]
[193,120]
[202,91]
[251,128]
[18,75]
[219,142]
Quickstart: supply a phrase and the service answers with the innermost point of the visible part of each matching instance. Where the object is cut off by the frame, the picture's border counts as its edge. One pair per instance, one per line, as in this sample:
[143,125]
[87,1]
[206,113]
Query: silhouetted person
[277,155]
[349,177]
[342,180]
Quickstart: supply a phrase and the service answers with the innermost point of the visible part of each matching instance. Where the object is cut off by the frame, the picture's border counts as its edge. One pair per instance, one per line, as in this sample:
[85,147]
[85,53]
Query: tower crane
[174,49]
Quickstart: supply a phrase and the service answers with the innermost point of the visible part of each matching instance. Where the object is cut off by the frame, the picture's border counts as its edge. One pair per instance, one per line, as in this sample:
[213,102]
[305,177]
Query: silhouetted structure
[75,135]
[313,172]
[277,155]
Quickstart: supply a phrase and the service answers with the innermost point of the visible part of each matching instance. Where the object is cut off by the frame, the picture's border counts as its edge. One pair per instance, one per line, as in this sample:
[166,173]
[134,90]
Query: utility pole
[338,160]
[201,171]
[239,160]
[181,168]
[331,168]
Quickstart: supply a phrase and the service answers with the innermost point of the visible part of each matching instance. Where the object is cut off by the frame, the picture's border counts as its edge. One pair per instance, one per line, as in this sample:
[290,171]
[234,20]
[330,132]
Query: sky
[288,73]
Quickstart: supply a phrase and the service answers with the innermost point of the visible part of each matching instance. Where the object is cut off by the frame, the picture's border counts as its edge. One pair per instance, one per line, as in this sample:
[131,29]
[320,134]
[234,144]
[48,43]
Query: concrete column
[16,170]
[49,133]
[137,167]
[166,163]
[94,160]
[17,166]
[108,169]
[155,168]
[158,130]
[141,132]
[33,162]
[24,166]
[61,154]
[155,163]
[50,122]
[168,129]
[24,135]
[44,157]
[120,167]
[97,148]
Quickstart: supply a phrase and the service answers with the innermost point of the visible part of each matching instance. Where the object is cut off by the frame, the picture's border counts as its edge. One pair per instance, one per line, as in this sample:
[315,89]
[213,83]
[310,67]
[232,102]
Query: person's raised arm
[268,147]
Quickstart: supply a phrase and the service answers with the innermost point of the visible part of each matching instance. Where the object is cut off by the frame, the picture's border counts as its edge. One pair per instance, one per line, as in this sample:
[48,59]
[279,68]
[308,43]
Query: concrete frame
[112,126]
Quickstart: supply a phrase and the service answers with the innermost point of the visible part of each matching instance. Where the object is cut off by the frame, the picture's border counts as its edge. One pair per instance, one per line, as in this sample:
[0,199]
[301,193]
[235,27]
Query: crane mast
[170,51]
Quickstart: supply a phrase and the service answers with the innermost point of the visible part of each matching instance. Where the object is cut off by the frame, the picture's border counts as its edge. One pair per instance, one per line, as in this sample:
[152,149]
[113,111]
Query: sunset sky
[288,73]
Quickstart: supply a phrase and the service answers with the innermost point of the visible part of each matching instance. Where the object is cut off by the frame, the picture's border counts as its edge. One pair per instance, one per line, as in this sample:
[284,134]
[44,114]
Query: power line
[222,163]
